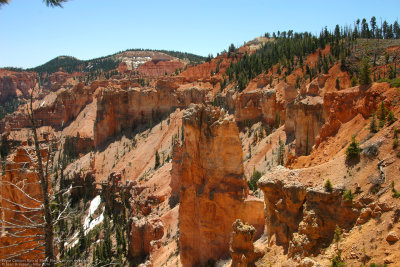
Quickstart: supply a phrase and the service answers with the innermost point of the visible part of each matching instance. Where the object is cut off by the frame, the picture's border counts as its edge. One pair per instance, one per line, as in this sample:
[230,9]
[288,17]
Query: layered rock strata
[119,110]
[213,188]
[300,218]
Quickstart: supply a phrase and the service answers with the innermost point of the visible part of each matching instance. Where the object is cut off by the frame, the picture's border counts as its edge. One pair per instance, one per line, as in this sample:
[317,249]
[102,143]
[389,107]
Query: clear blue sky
[31,33]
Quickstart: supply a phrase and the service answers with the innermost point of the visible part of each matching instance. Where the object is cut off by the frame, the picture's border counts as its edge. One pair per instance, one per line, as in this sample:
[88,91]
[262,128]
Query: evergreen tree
[353,150]
[281,153]
[365,72]
[385,29]
[157,161]
[373,128]
[396,30]
[354,80]
[382,114]
[373,26]
[107,246]
[391,118]
[82,239]
[328,186]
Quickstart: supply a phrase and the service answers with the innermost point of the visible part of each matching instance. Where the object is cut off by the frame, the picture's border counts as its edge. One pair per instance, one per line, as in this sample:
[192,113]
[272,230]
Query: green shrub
[383,112]
[373,127]
[354,81]
[396,194]
[395,132]
[337,261]
[395,143]
[157,160]
[348,195]
[395,83]
[252,183]
[353,150]
[391,118]
[328,186]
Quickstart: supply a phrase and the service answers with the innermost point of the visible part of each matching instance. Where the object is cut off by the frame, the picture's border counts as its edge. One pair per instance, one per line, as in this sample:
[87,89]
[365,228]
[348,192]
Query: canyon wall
[56,109]
[16,84]
[126,108]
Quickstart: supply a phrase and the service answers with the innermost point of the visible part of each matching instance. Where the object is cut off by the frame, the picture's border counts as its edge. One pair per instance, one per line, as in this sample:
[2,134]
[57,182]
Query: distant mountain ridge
[133,58]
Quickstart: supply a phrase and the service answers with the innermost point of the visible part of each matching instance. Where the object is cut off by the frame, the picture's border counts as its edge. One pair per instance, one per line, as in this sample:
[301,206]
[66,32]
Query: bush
[396,194]
[383,112]
[395,143]
[328,186]
[391,118]
[354,81]
[337,261]
[373,127]
[252,183]
[353,151]
[348,195]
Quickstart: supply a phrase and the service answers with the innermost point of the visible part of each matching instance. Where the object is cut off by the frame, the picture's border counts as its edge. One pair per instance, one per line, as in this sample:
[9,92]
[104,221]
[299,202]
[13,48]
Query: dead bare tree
[44,182]
[31,229]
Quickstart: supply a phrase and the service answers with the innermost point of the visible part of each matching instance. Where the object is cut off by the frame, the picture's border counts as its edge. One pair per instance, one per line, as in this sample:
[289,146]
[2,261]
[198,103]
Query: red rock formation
[19,187]
[123,109]
[248,106]
[241,244]
[122,67]
[259,104]
[302,219]
[157,68]
[202,72]
[342,106]
[13,84]
[56,110]
[143,231]
[309,120]
[56,80]
[213,188]
[75,145]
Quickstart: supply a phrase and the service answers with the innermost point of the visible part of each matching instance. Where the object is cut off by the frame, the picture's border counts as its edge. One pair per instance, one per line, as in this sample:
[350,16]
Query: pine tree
[107,248]
[353,150]
[365,72]
[373,128]
[281,152]
[249,151]
[373,26]
[157,162]
[391,118]
[82,239]
[382,114]
[328,186]
[354,80]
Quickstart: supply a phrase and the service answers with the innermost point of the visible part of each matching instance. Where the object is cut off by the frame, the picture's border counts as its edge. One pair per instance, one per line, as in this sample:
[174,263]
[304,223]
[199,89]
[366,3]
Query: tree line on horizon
[290,48]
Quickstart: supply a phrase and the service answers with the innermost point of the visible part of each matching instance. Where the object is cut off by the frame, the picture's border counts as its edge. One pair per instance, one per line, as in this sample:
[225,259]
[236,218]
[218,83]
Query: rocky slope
[173,161]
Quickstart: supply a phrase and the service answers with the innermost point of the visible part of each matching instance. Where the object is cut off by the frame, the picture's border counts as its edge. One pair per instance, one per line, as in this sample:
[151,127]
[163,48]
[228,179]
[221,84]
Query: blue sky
[31,33]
